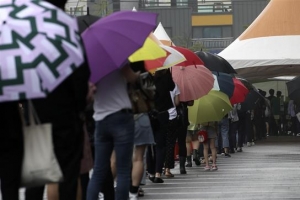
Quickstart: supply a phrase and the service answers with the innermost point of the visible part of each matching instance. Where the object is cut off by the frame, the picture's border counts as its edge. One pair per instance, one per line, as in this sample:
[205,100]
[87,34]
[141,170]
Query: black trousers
[11,150]
[68,147]
[233,128]
[11,155]
[181,138]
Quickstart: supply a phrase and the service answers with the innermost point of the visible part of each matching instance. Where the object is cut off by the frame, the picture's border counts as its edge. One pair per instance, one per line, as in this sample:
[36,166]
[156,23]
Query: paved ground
[268,170]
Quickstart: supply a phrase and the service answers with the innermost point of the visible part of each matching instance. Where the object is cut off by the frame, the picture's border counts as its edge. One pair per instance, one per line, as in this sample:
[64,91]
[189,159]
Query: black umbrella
[252,98]
[293,87]
[86,21]
[215,63]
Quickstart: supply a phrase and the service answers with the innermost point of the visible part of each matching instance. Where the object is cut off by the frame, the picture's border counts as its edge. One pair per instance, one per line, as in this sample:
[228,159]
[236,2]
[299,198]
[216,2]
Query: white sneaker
[101,196]
[253,144]
[248,144]
[133,196]
[298,134]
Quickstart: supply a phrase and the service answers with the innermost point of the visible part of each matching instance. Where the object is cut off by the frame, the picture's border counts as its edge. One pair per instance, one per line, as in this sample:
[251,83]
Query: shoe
[169,175]
[182,165]
[214,168]
[227,155]
[100,196]
[206,168]
[189,161]
[158,180]
[151,178]
[196,157]
[253,144]
[140,192]
[298,134]
[133,196]
[239,149]
[248,144]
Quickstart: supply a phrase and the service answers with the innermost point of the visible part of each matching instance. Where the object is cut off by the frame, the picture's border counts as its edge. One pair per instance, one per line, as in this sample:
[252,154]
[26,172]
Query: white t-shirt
[111,95]
[172,111]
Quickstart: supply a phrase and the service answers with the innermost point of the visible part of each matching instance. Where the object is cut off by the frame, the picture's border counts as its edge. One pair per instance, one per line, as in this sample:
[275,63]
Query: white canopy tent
[270,46]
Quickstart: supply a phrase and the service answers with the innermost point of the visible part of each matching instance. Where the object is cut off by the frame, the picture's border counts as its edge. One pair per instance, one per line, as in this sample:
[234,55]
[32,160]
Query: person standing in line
[212,134]
[192,137]
[233,127]
[182,111]
[114,131]
[224,134]
[63,108]
[166,99]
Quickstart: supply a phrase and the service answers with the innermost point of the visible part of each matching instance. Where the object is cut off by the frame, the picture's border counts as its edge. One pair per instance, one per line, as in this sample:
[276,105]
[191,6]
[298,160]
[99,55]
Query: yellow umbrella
[211,107]
[149,51]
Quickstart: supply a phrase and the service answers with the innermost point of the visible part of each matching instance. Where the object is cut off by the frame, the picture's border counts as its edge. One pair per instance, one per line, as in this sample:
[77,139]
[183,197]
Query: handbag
[141,99]
[202,136]
[40,165]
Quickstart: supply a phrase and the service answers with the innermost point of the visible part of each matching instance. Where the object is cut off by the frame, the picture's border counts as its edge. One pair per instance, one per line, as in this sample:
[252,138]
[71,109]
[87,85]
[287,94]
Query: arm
[176,100]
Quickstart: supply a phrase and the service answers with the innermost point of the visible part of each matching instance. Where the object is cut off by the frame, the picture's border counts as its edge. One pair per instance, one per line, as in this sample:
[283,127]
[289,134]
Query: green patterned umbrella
[39,48]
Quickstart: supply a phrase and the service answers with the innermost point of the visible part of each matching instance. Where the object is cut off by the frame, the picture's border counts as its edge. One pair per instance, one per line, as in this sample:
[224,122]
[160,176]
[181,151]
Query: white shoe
[248,144]
[133,196]
[101,196]
[253,144]
[298,134]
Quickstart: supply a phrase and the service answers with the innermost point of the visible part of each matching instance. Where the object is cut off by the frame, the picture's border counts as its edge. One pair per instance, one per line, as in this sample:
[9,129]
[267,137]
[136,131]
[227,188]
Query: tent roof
[271,44]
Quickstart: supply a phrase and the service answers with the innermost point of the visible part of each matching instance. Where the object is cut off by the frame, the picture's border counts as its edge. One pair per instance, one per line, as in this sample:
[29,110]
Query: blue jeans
[115,132]
[224,130]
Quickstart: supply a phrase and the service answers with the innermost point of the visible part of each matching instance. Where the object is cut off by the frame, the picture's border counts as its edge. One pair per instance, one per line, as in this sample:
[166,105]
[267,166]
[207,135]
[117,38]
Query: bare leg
[188,145]
[113,164]
[205,152]
[138,165]
[267,127]
[213,150]
[52,191]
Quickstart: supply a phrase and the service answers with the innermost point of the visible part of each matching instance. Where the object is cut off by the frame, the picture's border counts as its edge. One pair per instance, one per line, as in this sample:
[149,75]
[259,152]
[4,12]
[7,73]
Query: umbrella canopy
[293,87]
[173,57]
[112,39]
[240,92]
[86,21]
[270,46]
[193,82]
[39,49]
[191,58]
[225,83]
[215,63]
[149,51]
[251,100]
[162,35]
[212,107]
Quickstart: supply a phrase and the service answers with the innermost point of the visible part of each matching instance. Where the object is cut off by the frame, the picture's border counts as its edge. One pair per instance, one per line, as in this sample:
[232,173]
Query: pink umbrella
[193,81]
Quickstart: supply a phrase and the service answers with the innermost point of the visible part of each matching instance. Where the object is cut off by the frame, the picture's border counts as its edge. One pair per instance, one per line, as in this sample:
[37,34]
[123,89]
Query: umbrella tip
[182,68]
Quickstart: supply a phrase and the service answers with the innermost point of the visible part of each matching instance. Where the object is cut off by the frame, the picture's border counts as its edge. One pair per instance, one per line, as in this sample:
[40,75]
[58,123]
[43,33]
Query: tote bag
[39,163]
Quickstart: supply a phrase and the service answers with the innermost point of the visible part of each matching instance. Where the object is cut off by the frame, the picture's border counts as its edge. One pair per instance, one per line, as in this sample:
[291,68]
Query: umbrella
[293,88]
[173,57]
[191,58]
[193,82]
[149,51]
[112,39]
[225,83]
[215,63]
[39,49]
[86,21]
[212,107]
[240,92]
[252,98]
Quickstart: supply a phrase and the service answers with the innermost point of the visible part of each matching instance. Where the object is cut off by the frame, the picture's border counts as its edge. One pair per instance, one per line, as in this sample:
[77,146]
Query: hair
[271,92]
[278,93]
[58,3]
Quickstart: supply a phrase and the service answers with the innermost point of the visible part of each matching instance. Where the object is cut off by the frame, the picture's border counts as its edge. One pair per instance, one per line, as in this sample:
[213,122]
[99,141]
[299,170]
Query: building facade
[209,25]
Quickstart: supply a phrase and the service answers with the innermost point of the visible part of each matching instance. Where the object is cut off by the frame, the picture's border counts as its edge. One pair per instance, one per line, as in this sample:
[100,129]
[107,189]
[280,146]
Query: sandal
[140,192]
[169,175]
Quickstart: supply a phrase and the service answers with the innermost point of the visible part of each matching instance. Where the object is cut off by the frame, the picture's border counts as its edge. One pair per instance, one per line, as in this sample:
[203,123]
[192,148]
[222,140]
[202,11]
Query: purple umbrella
[111,40]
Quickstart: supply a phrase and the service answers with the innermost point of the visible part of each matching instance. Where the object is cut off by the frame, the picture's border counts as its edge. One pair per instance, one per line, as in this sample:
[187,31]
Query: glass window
[212,32]
[227,31]
[197,32]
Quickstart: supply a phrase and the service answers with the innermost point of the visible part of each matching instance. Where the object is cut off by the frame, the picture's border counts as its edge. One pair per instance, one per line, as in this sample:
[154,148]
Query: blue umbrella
[225,83]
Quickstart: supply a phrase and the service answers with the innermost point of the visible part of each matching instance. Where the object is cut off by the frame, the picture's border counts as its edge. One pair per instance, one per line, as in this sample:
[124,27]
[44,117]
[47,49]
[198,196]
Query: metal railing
[198,6]
[212,43]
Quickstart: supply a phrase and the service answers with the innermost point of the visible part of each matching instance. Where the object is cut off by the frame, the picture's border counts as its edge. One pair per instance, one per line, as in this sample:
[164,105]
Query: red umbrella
[240,92]
[191,57]
[193,82]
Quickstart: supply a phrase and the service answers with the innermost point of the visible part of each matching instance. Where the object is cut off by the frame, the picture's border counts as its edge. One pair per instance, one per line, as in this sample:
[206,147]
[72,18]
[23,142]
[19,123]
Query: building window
[212,31]
[76,11]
